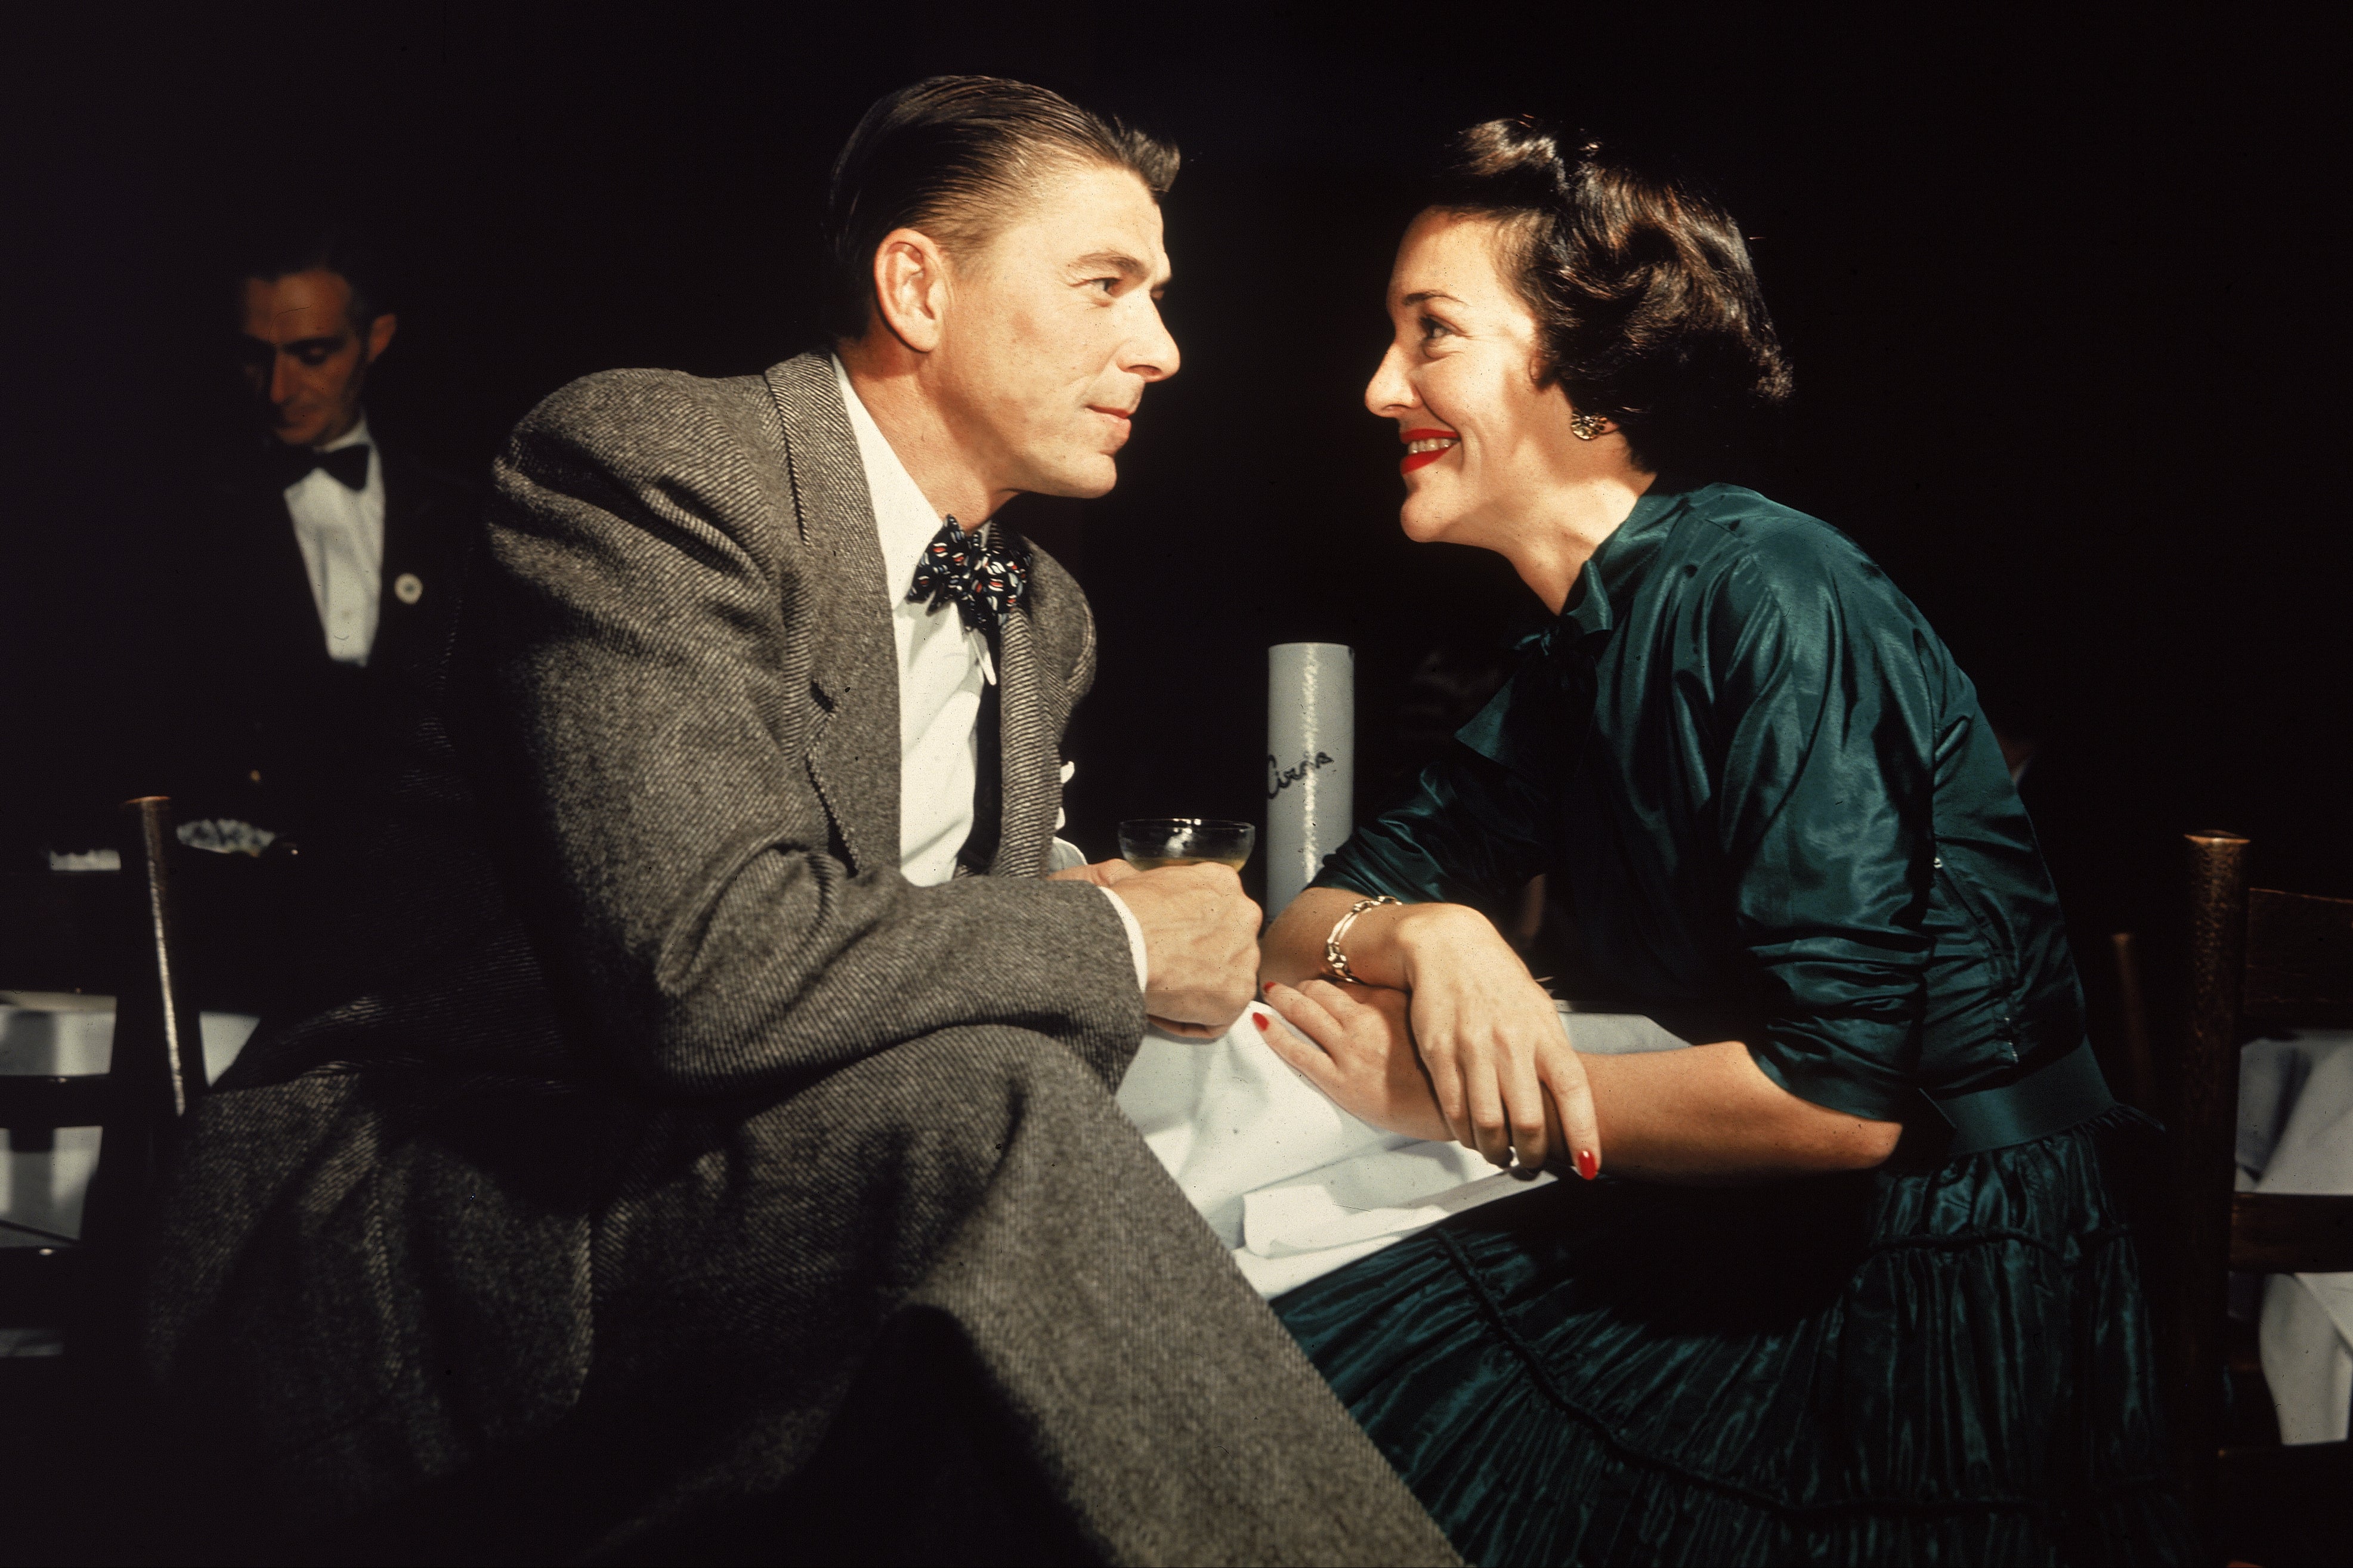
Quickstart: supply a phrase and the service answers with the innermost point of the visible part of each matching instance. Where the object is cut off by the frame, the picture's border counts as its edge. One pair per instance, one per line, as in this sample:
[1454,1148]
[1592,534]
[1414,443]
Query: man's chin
[1083,480]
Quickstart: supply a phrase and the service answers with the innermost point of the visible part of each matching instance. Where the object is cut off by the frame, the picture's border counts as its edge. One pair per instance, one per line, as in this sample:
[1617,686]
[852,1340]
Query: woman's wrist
[1420,932]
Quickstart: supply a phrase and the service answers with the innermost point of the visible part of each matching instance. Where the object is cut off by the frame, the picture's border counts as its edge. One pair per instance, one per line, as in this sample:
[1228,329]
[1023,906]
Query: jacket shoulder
[636,420]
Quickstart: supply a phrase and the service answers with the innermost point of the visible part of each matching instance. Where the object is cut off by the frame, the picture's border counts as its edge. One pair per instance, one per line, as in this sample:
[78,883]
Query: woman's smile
[1423,447]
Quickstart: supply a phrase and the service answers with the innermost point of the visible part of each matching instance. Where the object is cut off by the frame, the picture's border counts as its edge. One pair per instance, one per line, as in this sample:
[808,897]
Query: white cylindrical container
[1311,760]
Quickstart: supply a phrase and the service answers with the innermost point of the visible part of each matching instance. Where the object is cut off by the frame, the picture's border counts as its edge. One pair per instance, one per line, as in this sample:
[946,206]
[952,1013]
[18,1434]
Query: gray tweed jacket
[690,1166]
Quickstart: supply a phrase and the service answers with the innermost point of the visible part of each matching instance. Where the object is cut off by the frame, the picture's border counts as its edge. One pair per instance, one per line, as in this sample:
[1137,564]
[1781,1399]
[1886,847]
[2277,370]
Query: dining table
[2295,1135]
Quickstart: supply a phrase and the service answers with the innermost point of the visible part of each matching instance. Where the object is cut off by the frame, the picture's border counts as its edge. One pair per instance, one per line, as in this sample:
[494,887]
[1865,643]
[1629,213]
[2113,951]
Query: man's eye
[313,356]
[1108,285]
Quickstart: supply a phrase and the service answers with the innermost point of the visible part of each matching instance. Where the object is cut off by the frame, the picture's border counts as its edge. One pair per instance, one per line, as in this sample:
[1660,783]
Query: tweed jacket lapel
[852,754]
[1031,778]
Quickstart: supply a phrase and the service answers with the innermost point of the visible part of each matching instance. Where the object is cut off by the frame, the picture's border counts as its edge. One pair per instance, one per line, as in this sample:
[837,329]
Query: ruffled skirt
[1952,1365]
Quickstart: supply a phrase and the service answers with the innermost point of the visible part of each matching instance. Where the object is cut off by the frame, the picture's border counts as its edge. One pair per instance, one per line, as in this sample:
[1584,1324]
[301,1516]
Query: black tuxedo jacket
[265,726]
[344,763]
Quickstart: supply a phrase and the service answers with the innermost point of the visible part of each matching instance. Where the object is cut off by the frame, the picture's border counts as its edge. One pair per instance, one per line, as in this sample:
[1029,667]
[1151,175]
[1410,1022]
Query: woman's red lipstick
[1429,455]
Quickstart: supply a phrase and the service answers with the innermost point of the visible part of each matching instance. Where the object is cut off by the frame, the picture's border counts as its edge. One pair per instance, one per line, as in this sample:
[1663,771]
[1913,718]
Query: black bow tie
[347,465]
[960,567]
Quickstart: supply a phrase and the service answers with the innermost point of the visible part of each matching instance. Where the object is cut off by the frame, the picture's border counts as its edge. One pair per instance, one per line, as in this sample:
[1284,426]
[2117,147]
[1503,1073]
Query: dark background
[2066,305]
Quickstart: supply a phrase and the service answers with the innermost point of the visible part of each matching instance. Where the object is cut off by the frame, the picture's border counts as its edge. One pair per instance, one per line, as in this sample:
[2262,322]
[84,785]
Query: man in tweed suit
[744,1176]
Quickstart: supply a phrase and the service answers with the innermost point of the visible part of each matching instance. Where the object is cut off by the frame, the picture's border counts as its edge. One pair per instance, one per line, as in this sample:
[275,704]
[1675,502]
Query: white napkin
[43,1033]
[1296,1186]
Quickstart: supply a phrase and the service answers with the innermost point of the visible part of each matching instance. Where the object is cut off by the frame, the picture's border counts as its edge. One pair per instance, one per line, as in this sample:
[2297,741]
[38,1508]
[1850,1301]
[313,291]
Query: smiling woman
[1845,1281]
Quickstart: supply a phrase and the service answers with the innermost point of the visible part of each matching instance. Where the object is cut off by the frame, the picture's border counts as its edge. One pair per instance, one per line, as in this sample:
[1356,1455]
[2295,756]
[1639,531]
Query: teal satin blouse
[1768,800]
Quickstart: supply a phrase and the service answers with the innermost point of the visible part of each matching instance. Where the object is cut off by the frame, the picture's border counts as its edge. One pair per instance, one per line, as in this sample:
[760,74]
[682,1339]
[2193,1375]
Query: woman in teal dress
[1849,1279]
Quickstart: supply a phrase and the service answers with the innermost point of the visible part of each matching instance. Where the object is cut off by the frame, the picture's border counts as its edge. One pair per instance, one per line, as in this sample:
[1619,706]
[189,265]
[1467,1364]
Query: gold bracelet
[1334,958]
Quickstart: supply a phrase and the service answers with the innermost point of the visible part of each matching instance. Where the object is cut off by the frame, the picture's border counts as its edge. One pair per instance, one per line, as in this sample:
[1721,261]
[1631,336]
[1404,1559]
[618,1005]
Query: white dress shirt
[943,668]
[340,531]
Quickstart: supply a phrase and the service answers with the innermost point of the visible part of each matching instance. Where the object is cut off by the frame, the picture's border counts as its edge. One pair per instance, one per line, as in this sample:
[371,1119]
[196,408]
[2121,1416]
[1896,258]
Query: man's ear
[911,288]
[379,335]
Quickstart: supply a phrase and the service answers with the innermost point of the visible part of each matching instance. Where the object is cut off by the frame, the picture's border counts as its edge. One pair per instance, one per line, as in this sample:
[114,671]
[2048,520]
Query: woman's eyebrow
[1422,296]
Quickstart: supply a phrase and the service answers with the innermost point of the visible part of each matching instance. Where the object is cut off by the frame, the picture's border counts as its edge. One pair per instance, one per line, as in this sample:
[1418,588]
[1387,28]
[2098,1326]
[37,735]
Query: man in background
[305,611]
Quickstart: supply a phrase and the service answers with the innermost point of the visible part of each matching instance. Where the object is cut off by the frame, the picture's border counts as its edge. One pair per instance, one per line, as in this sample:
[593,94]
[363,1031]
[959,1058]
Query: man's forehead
[1101,215]
[299,305]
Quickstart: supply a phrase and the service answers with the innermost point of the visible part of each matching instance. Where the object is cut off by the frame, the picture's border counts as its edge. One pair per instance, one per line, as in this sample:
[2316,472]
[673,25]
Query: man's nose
[281,381]
[1390,392]
[1152,355]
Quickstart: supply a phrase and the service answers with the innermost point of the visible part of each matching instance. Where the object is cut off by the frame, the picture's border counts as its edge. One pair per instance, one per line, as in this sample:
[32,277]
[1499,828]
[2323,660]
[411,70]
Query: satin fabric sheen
[1768,804]
[1940,1366]
[1765,794]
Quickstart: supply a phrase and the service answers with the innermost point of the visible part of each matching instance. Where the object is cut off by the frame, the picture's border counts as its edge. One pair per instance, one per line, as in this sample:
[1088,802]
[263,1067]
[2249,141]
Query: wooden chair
[2257,957]
[83,1285]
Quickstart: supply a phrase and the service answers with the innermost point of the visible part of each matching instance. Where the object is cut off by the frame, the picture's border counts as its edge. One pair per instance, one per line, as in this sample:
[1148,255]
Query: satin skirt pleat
[1950,1366]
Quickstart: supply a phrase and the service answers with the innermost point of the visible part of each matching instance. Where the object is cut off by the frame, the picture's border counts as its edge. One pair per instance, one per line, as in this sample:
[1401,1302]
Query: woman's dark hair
[955,157]
[1641,284]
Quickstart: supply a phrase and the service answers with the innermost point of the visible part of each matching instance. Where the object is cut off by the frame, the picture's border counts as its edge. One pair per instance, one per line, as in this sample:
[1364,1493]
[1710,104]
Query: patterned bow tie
[347,465]
[960,567]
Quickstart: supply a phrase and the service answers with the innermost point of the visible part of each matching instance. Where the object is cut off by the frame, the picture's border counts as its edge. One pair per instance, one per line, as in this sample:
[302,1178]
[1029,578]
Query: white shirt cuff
[1064,856]
[1135,938]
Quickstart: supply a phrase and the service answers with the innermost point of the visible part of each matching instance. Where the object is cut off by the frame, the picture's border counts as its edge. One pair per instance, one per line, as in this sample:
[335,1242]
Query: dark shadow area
[2055,303]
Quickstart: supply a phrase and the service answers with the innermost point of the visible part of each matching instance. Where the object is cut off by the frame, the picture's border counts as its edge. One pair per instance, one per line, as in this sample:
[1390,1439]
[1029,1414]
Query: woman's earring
[1585,426]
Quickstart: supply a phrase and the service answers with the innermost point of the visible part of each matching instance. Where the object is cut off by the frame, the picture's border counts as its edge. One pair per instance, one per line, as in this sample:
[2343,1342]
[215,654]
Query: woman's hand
[1500,1063]
[1359,1050]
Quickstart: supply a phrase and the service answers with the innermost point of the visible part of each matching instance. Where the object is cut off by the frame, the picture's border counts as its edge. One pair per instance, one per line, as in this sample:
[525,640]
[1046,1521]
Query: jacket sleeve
[644,659]
[1817,702]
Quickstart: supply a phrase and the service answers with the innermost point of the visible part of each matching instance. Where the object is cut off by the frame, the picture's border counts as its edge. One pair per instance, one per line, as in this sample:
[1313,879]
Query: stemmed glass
[1148,843]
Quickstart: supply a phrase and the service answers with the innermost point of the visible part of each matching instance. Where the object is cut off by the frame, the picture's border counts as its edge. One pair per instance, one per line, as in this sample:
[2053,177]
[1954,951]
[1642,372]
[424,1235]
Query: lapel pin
[408,588]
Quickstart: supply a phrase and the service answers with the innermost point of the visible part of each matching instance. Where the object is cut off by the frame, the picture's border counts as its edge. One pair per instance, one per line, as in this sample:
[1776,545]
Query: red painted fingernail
[1260,1019]
[1588,1165]
[1268,986]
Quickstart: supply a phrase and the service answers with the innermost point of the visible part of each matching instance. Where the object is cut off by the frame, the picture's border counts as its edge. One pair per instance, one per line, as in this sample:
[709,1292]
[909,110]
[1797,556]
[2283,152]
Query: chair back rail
[2205,1162]
[2290,1233]
[2299,960]
[155,1071]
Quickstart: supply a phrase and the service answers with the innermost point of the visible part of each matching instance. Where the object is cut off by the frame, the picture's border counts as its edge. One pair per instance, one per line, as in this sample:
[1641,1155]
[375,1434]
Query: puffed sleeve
[1472,831]
[1816,697]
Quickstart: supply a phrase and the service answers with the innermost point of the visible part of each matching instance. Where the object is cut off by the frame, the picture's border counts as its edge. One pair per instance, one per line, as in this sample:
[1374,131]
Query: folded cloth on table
[2295,1135]
[1294,1184]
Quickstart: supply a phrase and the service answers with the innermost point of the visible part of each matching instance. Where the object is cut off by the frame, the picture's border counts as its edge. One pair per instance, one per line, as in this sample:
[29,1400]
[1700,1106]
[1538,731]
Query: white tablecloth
[2295,1135]
[1295,1185]
[43,1034]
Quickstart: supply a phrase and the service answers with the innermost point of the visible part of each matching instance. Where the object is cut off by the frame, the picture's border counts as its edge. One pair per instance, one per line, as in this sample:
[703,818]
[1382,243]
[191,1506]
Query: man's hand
[1102,873]
[1200,946]
[1366,1062]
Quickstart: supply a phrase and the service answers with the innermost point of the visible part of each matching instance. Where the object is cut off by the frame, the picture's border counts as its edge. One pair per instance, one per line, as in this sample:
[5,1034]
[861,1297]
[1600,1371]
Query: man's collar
[350,437]
[904,523]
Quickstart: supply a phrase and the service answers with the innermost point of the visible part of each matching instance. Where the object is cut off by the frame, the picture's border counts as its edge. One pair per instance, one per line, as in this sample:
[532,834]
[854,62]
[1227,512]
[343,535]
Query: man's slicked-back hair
[1640,281]
[954,156]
